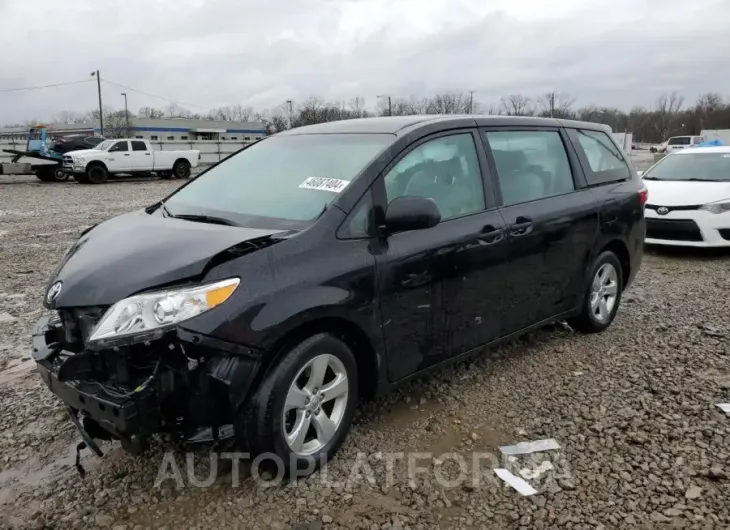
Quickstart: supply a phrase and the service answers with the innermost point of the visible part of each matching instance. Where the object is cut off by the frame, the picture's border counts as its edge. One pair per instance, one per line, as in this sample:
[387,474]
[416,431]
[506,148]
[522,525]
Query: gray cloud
[217,52]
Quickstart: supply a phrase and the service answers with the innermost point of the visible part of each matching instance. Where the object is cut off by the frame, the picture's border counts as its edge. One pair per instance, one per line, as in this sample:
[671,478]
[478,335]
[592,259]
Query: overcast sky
[208,53]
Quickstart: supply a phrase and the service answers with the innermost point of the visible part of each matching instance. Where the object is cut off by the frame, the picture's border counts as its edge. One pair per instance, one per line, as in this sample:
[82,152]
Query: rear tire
[181,169]
[602,295]
[96,175]
[312,390]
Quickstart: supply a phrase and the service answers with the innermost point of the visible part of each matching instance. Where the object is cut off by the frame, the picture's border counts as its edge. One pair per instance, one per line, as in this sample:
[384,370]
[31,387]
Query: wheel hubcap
[315,404]
[604,292]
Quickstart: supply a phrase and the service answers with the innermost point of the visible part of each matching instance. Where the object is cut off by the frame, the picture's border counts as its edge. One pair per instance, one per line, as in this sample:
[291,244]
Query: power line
[43,86]
[153,95]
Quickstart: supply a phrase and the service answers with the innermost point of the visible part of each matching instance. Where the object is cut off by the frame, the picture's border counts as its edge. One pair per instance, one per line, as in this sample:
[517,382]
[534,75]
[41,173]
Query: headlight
[717,207]
[147,316]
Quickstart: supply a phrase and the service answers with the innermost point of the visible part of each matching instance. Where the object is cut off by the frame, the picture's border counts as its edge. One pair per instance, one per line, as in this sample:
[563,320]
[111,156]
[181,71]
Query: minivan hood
[138,251]
[686,193]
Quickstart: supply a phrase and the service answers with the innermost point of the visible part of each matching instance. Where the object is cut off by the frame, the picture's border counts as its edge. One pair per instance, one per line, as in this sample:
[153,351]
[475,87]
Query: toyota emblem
[662,210]
[53,292]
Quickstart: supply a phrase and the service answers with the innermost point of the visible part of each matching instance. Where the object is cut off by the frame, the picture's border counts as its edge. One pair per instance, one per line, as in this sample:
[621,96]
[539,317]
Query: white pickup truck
[130,157]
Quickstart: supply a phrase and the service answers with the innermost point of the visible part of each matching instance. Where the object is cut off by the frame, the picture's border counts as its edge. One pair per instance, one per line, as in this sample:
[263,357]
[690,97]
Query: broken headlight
[147,316]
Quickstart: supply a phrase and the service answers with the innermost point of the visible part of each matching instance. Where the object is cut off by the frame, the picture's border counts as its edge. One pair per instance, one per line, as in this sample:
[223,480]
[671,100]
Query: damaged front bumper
[197,385]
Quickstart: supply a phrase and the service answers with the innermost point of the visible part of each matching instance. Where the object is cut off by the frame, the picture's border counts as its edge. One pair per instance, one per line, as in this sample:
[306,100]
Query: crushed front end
[180,382]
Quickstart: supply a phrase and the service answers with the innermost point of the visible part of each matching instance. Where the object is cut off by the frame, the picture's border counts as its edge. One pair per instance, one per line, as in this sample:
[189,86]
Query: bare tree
[517,105]
[69,117]
[556,105]
[115,122]
[666,113]
[150,112]
[231,113]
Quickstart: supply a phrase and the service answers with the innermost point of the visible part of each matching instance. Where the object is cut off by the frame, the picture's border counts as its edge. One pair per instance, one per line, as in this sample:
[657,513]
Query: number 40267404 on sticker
[324,184]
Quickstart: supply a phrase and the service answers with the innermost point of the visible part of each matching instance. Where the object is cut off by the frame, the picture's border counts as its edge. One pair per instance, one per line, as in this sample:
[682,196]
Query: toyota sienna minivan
[260,301]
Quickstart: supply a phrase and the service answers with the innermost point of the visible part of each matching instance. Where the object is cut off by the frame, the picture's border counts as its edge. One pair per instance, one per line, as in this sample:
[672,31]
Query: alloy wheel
[604,292]
[315,404]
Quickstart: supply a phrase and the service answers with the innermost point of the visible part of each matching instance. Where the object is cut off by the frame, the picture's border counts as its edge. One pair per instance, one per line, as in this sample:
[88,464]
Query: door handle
[522,226]
[127,154]
[147,154]
[491,235]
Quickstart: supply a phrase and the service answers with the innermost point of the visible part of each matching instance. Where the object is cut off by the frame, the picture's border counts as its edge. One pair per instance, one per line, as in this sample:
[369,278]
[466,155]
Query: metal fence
[211,151]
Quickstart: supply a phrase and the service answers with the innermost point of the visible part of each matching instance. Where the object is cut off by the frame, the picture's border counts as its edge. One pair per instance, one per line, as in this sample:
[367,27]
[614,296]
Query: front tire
[303,409]
[602,295]
[96,175]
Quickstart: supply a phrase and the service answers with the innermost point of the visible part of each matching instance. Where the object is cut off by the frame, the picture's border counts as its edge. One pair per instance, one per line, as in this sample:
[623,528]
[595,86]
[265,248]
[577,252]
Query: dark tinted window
[679,140]
[531,165]
[446,170]
[139,146]
[601,158]
[120,146]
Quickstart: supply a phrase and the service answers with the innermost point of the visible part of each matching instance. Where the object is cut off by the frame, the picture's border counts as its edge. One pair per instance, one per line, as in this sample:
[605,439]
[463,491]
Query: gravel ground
[642,443]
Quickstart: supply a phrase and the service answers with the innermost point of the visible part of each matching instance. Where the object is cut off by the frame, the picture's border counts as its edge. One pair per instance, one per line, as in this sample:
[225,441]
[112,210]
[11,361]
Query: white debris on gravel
[526,448]
[642,446]
[522,487]
[725,407]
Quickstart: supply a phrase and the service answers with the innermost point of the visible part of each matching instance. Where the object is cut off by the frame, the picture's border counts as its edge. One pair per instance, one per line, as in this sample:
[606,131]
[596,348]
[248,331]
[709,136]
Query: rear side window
[602,160]
[679,140]
[138,146]
[531,165]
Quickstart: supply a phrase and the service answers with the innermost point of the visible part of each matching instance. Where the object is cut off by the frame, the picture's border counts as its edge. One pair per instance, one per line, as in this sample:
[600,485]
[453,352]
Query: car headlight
[149,315]
[717,207]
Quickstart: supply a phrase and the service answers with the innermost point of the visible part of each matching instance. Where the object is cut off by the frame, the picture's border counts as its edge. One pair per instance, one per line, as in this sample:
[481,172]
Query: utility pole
[126,111]
[471,102]
[101,113]
[289,103]
[552,104]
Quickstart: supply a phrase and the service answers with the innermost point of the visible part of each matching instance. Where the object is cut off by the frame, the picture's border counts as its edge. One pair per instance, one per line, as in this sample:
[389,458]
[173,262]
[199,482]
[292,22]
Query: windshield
[103,146]
[699,166]
[282,181]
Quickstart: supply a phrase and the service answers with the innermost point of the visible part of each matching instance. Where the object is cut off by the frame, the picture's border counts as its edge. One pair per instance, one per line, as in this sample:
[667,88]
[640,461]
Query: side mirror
[640,173]
[411,213]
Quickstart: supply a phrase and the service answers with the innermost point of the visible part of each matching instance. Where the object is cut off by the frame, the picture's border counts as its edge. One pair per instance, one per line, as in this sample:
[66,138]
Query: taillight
[643,195]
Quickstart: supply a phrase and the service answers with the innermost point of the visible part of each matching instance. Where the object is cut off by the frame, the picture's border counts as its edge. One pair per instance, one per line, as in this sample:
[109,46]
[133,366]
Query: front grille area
[685,208]
[68,161]
[673,229]
[77,325]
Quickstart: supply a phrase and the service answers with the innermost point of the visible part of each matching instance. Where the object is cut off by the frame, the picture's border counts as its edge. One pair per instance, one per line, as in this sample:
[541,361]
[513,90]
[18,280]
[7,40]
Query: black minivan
[261,300]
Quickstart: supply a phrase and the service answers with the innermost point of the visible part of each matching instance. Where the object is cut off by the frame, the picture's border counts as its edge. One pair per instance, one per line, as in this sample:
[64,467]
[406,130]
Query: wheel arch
[621,251]
[96,163]
[369,362]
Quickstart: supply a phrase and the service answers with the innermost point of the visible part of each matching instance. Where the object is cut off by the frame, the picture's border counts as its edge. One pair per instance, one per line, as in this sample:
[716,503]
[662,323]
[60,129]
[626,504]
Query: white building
[158,130]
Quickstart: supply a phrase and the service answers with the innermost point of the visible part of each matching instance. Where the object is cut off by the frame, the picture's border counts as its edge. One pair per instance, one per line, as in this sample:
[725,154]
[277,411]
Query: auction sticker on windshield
[324,184]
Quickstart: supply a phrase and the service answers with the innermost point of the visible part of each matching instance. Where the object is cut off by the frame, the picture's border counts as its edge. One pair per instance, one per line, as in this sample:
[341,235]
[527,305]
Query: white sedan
[689,198]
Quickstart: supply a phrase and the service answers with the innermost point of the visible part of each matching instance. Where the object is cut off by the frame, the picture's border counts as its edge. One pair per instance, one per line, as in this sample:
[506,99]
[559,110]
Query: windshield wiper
[204,219]
[164,209]
[694,179]
[651,178]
